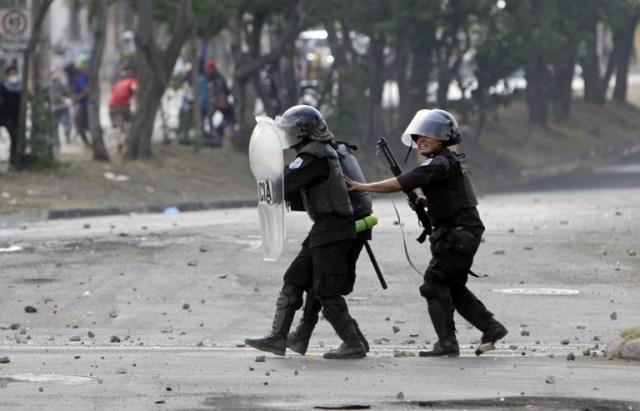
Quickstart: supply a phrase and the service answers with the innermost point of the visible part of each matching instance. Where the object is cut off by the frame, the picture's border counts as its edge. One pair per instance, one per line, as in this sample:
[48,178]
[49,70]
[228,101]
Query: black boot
[336,312]
[443,348]
[495,332]
[276,342]
[298,340]
[363,339]
[472,310]
[346,351]
[442,320]
[273,343]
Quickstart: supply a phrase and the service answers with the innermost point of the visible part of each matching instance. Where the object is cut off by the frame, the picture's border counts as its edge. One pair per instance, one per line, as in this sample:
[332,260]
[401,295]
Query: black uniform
[444,179]
[323,251]
[315,180]
[9,113]
[298,340]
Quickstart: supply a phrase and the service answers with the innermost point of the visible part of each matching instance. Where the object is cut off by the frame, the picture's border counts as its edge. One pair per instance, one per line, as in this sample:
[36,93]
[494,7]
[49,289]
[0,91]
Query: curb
[146,209]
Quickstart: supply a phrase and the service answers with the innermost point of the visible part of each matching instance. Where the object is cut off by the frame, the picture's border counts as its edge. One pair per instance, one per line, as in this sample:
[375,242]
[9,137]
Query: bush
[630,333]
[41,139]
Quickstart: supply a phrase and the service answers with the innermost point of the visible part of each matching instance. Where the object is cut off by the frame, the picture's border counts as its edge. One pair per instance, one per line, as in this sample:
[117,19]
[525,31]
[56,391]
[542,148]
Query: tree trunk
[449,65]
[100,152]
[154,72]
[254,45]
[350,100]
[248,63]
[401,63]
[244,94]
[374,126]
[144,118]
[595,85]
[195,86]
[538,79]
[418,83]
[561,93]
[626,38]
[74,20]
[594,88]
[38,12]
[480,96]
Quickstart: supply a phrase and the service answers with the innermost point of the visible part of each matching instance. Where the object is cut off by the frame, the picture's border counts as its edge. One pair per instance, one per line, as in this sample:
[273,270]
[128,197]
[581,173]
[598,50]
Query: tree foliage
[415,50]
[155,64]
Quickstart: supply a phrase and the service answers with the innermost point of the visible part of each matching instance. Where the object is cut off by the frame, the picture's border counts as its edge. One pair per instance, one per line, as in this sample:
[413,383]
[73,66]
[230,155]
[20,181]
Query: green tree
[357,41]
[459,24]
[155,64]
[247,23]
[624,39]
[494,63]
[98,18]
[534,40]
[39,10]
[610,30]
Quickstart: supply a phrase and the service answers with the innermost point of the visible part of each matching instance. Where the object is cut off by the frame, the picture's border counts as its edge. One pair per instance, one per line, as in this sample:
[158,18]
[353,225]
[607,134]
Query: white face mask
[14,79]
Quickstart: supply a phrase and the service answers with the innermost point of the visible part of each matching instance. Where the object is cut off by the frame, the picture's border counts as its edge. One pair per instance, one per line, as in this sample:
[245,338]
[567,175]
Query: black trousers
[324,271]
[453,250]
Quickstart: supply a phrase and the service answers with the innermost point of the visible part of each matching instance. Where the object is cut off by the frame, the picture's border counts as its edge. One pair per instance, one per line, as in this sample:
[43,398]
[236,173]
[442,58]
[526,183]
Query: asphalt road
[149,311]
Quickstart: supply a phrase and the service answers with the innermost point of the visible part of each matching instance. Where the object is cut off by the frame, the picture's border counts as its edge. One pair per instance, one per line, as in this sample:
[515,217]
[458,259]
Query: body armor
[360,200]
[331,195]
[446,198]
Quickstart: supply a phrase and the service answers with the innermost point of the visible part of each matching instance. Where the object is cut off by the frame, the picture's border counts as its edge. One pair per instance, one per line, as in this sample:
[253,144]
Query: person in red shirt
[120,105]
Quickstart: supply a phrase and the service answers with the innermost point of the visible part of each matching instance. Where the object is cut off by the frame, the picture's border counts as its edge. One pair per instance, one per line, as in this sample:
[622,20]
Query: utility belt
[459,239]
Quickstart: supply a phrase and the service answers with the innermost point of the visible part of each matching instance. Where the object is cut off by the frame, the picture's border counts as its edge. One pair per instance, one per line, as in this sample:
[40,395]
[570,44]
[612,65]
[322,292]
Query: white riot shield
[267,164]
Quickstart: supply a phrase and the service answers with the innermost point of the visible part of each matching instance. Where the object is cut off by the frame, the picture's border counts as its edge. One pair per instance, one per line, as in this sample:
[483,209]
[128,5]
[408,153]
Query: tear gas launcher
[423,218]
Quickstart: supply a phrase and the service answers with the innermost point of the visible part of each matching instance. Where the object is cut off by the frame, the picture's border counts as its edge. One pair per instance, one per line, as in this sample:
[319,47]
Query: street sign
[15,24]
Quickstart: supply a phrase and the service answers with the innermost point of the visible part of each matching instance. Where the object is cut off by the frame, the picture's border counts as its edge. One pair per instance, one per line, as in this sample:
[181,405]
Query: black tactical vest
[331,195]
[445,198]
[360,200]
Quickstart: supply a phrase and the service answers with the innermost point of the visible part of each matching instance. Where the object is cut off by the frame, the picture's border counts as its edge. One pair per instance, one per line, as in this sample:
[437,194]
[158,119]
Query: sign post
[15,24]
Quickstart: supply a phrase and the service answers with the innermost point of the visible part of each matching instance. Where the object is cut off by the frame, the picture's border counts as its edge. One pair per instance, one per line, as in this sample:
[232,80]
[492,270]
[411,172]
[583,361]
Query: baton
[383,283]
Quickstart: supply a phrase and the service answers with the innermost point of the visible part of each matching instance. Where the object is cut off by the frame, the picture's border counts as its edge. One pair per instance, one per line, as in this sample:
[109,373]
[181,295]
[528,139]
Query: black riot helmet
[302,123]
[438,124]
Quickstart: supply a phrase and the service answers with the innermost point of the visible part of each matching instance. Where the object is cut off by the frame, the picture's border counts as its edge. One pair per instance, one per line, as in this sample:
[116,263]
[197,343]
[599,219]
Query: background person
[10,91]
[122,93]
[80,89]
[220,100]
[60,96]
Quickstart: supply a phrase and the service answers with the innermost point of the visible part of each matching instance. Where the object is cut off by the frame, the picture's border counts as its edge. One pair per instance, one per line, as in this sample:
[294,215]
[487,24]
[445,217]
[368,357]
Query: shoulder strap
[351,146]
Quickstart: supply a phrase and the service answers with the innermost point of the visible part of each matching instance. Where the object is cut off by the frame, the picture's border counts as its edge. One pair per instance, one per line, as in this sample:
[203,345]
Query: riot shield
[267,164]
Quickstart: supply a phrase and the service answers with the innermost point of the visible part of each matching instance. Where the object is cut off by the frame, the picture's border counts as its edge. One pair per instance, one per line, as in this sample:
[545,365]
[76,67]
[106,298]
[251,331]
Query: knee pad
[290,296]
[431,290]
[427,290]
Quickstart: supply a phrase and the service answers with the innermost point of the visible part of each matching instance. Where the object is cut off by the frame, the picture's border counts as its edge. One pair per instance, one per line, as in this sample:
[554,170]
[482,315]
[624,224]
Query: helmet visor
[425,123]
[288,129]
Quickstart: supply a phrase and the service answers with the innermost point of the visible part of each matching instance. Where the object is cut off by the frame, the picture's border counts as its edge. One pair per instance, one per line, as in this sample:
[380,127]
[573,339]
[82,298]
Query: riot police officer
[451,204]
[298,340]
[314,182]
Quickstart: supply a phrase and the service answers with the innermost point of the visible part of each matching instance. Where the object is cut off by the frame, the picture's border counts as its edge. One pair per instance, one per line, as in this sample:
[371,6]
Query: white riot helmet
[437,124]
[301,123]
